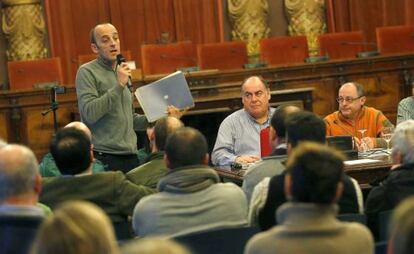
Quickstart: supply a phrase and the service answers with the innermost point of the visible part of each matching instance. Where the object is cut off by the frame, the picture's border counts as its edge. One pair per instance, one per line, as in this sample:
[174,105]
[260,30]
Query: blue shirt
[239,134]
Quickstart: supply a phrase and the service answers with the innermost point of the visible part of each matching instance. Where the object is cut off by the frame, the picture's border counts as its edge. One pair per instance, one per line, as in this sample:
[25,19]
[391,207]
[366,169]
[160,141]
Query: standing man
[105,102]
[353,117]
[238,138]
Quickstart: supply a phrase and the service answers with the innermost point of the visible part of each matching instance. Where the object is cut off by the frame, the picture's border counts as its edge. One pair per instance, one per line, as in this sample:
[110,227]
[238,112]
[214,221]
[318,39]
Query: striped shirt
[405,109]
[239,134]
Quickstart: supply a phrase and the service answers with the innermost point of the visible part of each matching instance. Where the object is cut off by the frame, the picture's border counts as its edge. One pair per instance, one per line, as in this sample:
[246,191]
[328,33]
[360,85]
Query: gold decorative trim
[9,3]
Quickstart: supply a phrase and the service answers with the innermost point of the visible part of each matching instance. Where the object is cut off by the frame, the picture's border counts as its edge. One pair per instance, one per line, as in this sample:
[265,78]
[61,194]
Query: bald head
[18,173]
[278,119]
[163,128]
[80,126]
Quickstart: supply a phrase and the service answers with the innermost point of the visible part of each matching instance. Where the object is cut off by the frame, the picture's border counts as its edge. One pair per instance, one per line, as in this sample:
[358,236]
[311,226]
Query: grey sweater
[106,108]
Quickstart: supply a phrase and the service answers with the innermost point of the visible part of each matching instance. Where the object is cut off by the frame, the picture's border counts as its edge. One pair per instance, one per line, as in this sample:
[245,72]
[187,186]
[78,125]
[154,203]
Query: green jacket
[48,166]
[149,173]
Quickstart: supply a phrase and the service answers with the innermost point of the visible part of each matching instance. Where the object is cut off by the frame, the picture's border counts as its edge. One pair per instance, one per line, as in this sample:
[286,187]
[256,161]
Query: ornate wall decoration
[249,20]
[24,27]
[306,17]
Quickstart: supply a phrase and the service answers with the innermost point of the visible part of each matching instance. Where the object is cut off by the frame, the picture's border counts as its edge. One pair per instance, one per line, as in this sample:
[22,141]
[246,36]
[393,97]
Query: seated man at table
[268,195]
[238,138]
[151,172]
[307,222]
[353,116]
[406,107]
[48,166]
[399,183]
[270,165]
[191,197]
[73,154]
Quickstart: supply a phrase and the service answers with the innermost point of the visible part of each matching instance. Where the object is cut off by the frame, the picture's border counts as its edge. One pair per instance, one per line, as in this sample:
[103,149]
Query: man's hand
[176,112]
[247,158]
[123,73]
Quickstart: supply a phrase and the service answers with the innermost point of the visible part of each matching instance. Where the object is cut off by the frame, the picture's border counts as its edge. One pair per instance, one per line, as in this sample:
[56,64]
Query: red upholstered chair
[166,58]
[284,50]
[265,147]
[89,57]
[24,74]
[395,39]
[341,45]
[222,56]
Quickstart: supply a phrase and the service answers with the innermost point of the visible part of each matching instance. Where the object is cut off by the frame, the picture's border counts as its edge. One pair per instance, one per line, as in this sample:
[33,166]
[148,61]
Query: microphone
[121,59]
[364,44]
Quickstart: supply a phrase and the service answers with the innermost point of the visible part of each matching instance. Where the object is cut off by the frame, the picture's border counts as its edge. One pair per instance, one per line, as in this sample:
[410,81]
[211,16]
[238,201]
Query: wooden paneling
[203,17]
[4,133]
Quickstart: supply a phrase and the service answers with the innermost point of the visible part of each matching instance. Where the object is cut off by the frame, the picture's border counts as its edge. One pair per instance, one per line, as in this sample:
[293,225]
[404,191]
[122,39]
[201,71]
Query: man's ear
[206,158]
[288,187]
[338,193]
[94,48]
[167,161]
[38,184]
[363,99]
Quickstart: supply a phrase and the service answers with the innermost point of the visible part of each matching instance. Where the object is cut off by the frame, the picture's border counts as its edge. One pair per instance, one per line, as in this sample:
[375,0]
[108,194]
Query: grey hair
[403,141]
[18,178]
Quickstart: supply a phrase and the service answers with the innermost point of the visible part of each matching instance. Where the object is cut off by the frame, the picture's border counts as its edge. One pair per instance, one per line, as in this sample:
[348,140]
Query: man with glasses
[238,138]
[354,119]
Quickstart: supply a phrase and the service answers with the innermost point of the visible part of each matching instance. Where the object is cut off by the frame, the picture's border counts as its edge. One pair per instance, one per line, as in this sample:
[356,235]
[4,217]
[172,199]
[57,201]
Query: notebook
[155,97]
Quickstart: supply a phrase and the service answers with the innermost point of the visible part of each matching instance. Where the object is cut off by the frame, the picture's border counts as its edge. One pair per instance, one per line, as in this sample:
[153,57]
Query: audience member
[71,149]
[105,102]
[307,223]
[48,166]
[406,107]
[402,228]
[150,173]
[20,185]
[151,245]
[238,138]
[190,197]
[270,165]
[77,227]
[399,183]
[269,194]
[353,116]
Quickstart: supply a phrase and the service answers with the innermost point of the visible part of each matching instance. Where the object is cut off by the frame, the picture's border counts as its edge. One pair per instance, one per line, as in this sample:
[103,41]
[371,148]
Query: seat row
[286,50]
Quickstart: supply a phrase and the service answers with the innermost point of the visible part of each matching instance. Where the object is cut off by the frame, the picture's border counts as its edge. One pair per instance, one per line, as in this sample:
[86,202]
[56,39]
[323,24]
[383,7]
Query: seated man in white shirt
[238,138]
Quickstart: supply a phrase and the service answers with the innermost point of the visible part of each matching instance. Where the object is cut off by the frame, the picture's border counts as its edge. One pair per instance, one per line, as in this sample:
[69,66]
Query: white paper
[360,161]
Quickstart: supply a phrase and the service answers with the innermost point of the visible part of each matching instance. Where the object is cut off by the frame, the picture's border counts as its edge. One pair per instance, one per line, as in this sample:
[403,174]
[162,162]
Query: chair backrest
[230,240]
[89,57]
[381,247]
[341,45]
[17,233]
[384,218]
[284,50]
[166,58]
[24,74]
[265,147]
[395,39]
[222,55]
[353,217]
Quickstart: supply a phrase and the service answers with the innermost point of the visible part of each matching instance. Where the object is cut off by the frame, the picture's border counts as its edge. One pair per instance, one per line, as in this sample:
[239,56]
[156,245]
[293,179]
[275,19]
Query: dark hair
[279,117]
[185,147]
[70,149]
[162,129]
[305,126]
[316,171]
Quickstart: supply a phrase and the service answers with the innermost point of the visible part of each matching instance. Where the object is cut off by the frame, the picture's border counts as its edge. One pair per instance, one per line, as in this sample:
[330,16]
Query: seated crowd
[294,195]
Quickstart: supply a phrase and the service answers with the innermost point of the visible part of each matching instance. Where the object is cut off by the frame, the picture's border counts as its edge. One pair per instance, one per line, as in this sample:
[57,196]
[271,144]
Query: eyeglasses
[347,99]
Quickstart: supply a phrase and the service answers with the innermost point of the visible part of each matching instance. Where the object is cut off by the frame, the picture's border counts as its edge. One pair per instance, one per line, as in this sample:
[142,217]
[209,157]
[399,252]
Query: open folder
[173,90]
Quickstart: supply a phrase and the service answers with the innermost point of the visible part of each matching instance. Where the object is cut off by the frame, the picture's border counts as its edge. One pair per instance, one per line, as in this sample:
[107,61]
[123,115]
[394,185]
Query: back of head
[315,171]
[71,150]
[402,228]
[279,117]
[18,171]
[76,227]
[185,147]
[163,128]
[152,245]
[80,126]
[305,126]
[403,141]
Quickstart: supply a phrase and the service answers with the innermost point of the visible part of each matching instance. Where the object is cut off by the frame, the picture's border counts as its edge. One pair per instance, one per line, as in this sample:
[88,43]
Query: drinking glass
[364,146]
[386,134]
